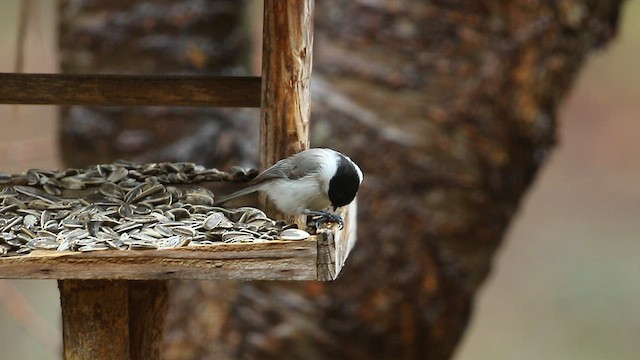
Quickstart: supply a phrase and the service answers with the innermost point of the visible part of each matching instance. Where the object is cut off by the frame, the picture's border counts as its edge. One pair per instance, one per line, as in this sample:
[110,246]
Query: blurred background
[565,281]
[564,284]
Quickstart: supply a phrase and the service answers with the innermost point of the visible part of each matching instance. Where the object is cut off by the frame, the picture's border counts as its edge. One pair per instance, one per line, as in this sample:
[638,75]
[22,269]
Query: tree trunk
[450,109]
[155,37]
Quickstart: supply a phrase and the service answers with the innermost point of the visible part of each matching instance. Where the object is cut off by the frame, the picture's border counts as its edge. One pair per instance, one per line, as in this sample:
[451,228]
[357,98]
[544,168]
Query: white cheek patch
[328,170]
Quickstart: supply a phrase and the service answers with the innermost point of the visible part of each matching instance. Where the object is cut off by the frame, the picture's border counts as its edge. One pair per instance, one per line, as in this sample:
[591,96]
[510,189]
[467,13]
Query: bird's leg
[325,216]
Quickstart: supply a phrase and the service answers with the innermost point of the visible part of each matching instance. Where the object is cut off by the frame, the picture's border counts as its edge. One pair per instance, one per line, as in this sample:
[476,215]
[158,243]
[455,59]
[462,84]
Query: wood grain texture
[111,90]
[335,245]
[95,319]
[126,318]
[286,73]
[147,313]
[278,260]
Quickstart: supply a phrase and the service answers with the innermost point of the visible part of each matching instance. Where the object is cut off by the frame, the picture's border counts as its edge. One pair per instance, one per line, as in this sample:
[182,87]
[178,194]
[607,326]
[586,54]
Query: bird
[308,183]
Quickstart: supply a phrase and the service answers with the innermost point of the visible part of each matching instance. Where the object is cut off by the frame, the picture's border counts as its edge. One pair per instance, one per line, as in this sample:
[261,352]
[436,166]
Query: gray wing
[295,166]
[243,192]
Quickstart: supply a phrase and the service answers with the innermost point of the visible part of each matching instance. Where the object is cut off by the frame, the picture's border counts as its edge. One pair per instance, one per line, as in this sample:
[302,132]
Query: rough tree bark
[449,107]
[155,37]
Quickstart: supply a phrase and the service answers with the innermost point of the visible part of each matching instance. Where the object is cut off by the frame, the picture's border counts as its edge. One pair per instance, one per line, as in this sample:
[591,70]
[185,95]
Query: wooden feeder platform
[319,257]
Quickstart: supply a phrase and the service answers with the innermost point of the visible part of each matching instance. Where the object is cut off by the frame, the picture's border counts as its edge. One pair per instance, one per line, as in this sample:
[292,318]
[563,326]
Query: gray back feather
[294,167]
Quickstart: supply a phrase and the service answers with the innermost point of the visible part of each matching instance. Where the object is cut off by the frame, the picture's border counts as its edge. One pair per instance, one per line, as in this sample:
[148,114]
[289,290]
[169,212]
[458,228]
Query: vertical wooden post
[112,319]
[286,75]
[148,304]
[95,319]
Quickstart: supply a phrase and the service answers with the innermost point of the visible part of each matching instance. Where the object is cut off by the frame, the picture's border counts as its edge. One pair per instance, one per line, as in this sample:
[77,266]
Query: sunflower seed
[109,189]
[72,183]
[43,243]
[52,189]
[184,230]
[213,220]
[93,247]
[177,214]
[294,234]
[118,174]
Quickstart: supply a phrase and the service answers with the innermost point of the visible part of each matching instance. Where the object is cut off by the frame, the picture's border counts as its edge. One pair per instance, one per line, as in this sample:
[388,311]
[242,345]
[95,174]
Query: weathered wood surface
[286,72]
[148,304]
[334,246]
[277,260]
[166,90]
[127,318]
[95,319]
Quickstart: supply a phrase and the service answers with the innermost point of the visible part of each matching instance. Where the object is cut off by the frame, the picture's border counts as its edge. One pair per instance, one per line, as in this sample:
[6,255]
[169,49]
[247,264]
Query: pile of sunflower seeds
[126,206]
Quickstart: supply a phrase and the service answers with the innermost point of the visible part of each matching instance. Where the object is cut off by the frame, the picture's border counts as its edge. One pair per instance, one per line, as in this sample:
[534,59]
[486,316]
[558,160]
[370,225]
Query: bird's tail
[239,193]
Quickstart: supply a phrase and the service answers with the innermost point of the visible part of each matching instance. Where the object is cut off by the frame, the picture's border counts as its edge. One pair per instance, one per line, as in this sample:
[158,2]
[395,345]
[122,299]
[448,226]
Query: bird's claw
[325,217]
[330,218]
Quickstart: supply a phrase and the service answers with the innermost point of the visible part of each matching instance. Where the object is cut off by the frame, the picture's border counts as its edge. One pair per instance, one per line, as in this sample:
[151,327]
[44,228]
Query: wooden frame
[129,90]
[124,293]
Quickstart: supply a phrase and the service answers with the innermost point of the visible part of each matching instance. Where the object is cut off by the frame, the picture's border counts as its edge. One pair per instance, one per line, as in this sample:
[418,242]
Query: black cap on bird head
[345,183]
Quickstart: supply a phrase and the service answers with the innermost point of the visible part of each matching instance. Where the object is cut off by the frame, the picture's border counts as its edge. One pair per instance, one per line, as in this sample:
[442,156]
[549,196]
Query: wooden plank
[334,245]
[148,304]
[319,258]
[133,90]
[95,319]
[277,260]
[127,318]
[286,71]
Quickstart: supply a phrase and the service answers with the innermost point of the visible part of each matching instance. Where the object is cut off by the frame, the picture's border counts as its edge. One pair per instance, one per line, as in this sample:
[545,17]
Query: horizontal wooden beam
[131,90]
[277,260]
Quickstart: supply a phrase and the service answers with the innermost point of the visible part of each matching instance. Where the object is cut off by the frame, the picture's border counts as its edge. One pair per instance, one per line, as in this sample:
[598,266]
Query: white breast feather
[295,196]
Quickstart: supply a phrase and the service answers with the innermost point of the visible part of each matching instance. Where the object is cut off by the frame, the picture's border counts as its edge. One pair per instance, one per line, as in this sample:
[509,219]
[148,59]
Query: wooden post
[286,75]
[112,319]
[148,304]
[95,319]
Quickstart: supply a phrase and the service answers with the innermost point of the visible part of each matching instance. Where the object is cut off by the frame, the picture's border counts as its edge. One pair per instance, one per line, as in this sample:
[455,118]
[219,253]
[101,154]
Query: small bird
[307,183]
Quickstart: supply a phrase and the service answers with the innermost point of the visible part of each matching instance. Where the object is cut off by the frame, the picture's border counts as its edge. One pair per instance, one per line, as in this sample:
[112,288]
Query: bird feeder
[114,302]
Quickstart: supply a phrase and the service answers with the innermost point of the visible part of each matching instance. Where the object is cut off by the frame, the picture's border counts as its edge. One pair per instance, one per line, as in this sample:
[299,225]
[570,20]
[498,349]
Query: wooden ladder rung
[130,90]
